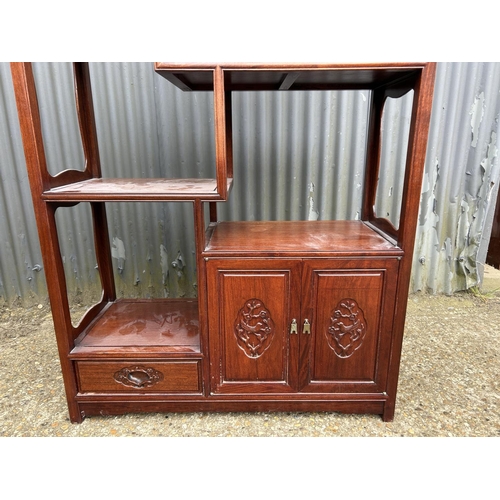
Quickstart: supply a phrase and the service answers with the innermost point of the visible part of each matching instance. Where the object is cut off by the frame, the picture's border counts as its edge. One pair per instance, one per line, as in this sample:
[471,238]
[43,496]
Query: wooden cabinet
[290,315]
[299,325]
[308,325]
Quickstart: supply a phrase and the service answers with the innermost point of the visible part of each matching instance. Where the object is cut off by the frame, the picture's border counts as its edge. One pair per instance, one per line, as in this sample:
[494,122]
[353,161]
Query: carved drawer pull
[138,376]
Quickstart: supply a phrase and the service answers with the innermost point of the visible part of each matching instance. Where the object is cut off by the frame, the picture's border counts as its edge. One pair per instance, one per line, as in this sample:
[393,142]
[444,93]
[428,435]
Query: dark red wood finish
[169,323]
[246,298]
[316,238]
[250,76]
[98,189]
[341,285]
[299,291]
[350,306]
[177,376]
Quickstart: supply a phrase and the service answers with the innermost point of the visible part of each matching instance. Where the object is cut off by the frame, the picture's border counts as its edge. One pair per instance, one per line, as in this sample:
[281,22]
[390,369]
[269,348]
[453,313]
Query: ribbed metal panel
[297,156]
[461,178]
[148,128]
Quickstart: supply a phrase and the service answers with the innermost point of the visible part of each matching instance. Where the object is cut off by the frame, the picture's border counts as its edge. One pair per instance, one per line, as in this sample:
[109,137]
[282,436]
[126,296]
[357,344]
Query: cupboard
[290,315]
[304,320]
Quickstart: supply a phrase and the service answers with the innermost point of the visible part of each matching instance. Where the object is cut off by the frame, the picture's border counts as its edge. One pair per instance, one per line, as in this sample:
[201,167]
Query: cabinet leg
[388,415]
[75,414]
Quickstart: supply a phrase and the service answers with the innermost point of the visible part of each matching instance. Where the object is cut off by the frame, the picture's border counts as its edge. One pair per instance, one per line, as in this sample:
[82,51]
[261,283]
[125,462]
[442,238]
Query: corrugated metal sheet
[297,155]
[461,178]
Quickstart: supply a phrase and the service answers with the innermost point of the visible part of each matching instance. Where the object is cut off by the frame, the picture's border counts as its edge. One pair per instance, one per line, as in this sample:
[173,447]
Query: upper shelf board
[136,190]
[199,77]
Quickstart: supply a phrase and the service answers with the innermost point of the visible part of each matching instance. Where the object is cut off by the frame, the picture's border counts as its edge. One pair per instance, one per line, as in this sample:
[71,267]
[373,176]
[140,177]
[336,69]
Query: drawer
[139,376]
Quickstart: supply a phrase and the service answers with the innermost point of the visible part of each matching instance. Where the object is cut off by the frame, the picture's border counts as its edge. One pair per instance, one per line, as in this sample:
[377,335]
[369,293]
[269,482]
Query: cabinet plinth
[290,315]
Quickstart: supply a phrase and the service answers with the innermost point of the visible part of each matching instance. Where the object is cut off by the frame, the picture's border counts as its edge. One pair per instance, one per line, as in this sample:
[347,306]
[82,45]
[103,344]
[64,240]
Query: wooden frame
[114,376]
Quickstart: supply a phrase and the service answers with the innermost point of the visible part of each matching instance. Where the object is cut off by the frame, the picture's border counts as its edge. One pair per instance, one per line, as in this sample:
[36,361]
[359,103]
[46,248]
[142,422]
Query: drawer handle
[138,376]
[293,326]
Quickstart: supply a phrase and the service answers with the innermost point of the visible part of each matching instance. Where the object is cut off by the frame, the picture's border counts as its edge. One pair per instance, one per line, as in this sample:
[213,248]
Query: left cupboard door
[251,306]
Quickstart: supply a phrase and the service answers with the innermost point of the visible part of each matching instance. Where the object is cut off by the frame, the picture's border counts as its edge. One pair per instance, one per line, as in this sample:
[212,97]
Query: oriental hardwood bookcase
[290,315]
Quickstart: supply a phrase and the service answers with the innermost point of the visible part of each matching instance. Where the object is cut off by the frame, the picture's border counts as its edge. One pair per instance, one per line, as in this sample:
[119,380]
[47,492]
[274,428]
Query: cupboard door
[350,308]
[250,303]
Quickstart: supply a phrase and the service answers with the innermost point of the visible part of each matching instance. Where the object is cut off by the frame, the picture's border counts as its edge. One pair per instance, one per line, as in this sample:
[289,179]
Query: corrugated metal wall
[297,155]
[461,178]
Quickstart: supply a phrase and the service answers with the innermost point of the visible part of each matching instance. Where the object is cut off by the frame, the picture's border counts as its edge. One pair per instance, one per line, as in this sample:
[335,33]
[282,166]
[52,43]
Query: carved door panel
[350,309]
[250,303]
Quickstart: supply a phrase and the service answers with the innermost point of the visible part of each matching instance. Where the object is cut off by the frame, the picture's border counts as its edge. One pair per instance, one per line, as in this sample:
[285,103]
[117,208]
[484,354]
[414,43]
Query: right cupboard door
[350,308]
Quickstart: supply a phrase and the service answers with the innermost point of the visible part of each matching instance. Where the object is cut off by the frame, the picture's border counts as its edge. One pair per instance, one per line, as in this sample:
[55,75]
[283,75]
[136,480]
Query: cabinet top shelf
[268,238]
[249,76]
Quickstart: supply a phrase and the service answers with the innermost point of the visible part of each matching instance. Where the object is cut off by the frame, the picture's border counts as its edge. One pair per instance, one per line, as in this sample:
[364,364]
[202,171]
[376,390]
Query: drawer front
[139,376]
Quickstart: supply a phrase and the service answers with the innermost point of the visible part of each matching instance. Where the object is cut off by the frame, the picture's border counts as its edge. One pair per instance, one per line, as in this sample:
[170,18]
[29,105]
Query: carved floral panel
[347,328]
[254,328]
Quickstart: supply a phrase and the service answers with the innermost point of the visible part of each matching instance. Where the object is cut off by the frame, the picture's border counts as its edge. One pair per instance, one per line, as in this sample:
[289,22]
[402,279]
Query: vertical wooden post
[29,119]
[223,133]
[422,106]
[213,211]
[86,117]
[88,132]
[373,154]
[199,228]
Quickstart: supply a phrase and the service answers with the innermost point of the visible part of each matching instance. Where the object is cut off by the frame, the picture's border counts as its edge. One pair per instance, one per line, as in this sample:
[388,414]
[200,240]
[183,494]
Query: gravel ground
[449,384]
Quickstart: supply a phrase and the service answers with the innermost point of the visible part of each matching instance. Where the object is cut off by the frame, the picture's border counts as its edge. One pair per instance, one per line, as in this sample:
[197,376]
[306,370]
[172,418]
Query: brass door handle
[307,327]
[293,326]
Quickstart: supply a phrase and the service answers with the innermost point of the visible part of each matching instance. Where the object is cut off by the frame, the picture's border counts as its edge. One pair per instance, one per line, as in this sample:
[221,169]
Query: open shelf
[297,237]
[199,77]
[290,316]
[161,326]
[136,189]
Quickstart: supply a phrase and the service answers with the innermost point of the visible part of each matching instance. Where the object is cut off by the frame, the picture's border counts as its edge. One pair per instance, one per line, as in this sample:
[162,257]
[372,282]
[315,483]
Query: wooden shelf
[297,237]
[136,190]
[292,316]
[242,77]
[137,327]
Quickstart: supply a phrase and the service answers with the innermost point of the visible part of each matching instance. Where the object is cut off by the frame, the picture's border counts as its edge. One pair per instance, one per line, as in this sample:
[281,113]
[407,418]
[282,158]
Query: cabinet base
[120,407]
